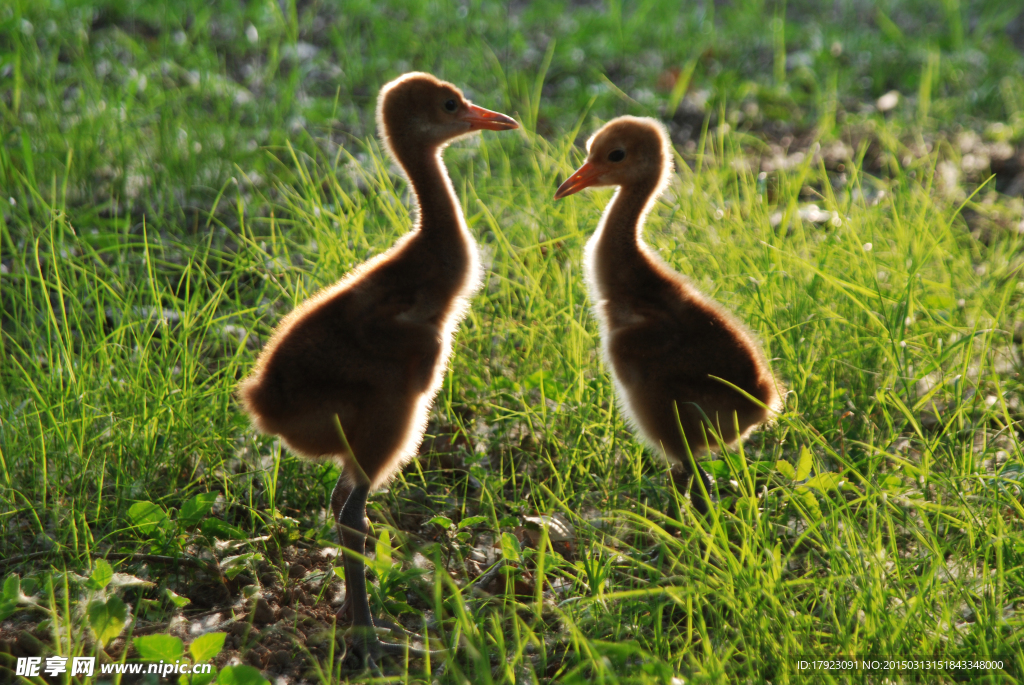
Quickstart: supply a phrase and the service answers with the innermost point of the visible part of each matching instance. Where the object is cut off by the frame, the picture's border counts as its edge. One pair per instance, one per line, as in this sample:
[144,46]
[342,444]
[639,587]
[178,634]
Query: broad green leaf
[803,464]
[101,576]
[193,511]
[734,461]
[510,548]
[12,588]
[166,648]
[472,521]
[718,468]
[207,646]
[144,606]
[107,618]
[240,675]
[176,599]
[825,482]
[215,528]
[786,469]
[28,587]
[10,596]
[147,517]
[442,521]
[809,503]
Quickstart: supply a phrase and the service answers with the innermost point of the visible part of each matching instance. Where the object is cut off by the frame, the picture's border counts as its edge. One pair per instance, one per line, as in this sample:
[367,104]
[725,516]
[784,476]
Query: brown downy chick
[371,350]
[664,341]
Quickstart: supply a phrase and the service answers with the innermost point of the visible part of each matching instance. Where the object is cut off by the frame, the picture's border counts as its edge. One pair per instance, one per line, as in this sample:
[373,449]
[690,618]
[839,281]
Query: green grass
[152,236]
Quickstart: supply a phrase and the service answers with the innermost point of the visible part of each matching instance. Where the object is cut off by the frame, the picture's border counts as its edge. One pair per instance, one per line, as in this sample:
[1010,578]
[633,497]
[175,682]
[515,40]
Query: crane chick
[351,373]
[667,344]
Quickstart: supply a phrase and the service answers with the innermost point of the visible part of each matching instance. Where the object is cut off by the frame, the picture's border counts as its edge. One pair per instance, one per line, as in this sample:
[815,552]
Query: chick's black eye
[451,105]
[616,155]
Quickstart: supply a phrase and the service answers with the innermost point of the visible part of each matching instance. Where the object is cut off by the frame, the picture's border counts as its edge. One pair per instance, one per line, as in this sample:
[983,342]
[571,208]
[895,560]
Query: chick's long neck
[619,262]
[440,217]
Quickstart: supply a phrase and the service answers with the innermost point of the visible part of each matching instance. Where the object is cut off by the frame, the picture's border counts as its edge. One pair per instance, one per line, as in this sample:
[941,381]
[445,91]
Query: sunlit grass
[879,515]
[903,400]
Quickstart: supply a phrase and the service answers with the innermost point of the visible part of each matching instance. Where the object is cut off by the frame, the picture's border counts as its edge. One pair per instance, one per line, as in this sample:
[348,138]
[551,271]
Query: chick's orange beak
[584,177]
[478,117]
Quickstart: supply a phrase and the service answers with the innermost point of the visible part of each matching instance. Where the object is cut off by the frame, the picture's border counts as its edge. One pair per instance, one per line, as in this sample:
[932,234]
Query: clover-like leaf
[825,481]
[166,648]
[241,675]
[10,596]
[786,469]
[809,504]
[194,510]
[101,576]
[107,618]
[207,646]
[510,548]
[472,521]
[442,521]
[147,517]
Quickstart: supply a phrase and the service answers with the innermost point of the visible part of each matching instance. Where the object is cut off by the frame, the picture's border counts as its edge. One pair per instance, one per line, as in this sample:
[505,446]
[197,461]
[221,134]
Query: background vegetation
[177,176]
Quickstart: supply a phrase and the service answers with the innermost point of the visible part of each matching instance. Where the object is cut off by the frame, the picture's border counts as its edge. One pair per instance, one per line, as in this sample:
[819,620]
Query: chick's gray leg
[342,490]
[349,505]
[354,528]
[688,482]
[702,492]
